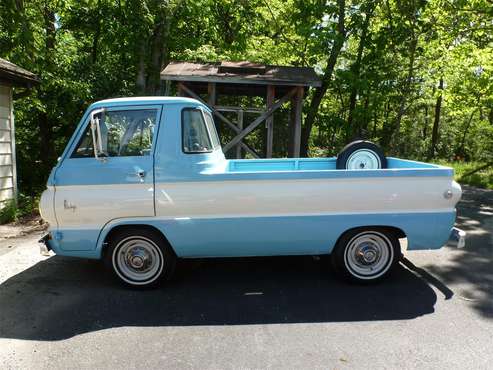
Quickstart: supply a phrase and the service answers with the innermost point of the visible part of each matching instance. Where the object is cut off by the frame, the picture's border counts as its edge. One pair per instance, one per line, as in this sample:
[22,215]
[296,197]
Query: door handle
[141,174]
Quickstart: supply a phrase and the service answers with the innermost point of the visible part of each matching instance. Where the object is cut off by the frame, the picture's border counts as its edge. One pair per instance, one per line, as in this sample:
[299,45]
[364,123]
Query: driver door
[91,191]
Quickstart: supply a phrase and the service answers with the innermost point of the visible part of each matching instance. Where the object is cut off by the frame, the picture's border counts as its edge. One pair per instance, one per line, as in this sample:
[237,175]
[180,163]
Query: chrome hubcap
[138,260]
[363,159]
[368,255]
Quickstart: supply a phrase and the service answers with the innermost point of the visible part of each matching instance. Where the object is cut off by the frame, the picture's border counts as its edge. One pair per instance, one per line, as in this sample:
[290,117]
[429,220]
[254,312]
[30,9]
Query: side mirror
[96,134]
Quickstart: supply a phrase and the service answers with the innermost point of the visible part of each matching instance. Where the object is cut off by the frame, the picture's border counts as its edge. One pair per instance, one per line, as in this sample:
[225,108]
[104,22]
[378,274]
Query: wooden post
[167,89]
[290,132]
[240,126]
[269,122]
[211,101]
[211,91]
[239,137]
[297,104]
[181,89]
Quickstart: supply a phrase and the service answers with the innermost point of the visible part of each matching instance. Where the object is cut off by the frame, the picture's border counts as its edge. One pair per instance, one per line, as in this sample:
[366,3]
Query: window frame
[209,136]
[117,108]
[204,113]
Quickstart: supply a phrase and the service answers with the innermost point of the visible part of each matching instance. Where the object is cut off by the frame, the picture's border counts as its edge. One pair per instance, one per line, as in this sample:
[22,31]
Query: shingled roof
[12,74]
[241,73]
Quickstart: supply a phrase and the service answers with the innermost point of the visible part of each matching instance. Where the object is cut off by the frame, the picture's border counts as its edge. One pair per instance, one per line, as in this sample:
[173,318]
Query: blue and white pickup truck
[143,182]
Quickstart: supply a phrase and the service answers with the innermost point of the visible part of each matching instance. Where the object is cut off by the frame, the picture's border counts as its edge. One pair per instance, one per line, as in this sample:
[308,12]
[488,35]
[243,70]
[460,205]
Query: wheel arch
[120,227]
[398,232]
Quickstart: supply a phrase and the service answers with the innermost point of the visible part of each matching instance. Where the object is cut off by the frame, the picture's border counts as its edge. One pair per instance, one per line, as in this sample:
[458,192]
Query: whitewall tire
[366,255]
[140,258]
[361,155]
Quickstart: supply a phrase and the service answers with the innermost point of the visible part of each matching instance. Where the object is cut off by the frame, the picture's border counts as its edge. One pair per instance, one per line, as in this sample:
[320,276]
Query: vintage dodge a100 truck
[144,181]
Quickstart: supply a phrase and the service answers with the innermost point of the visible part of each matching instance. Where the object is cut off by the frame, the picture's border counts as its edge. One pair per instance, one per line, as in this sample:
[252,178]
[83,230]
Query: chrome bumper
[459,236]
[44,246]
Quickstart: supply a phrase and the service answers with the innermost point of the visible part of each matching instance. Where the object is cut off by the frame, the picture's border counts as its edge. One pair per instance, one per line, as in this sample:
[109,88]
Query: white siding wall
[7,146]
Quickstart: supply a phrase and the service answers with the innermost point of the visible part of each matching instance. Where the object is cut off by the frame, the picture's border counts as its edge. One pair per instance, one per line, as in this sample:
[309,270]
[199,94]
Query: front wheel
[140,258]
[366,255]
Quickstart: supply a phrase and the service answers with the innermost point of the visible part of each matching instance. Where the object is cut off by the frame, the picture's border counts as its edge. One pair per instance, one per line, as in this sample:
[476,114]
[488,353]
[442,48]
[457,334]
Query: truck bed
[322,164]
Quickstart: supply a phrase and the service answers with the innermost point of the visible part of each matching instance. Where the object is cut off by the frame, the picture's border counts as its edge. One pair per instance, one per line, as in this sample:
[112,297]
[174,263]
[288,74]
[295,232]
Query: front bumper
[45,245]
[459,236]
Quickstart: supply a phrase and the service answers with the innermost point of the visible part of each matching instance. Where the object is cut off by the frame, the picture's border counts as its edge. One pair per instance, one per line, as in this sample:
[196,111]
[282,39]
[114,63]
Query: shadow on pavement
[471,269]
[61,297]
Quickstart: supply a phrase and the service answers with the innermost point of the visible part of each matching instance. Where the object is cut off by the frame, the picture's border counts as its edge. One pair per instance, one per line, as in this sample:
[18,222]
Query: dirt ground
[436,311]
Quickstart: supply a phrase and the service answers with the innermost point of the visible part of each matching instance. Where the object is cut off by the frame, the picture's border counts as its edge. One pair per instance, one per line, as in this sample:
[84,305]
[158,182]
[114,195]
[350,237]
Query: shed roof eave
[17,82]
[238,80]
[14,75]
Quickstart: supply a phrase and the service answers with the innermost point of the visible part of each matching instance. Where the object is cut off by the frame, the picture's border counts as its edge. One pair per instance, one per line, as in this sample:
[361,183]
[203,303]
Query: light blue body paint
[234,236]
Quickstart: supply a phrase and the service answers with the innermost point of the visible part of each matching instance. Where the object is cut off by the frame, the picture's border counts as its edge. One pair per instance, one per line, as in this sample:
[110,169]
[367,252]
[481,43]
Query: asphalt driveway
[290,312]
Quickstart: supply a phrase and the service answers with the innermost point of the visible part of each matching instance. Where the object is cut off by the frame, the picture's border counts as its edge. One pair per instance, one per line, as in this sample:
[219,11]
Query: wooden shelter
[11,76]
[277,84]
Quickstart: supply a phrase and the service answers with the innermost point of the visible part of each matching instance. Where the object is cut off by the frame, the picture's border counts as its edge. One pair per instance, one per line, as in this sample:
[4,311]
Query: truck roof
[145,100]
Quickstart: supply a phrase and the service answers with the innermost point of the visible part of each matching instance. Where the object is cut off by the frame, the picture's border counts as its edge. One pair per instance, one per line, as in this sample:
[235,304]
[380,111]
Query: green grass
[481,179]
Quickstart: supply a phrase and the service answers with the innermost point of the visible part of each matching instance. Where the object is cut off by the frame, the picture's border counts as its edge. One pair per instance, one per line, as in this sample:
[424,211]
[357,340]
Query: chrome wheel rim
[363,159]
[368,255]
[138,260]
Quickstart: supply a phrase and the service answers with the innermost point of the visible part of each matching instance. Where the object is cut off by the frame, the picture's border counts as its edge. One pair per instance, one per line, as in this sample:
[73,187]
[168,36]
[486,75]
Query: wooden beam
[259,120]
[240,126]
[297,116]
[225,108]
[269,122]
[231,125]
[212,108]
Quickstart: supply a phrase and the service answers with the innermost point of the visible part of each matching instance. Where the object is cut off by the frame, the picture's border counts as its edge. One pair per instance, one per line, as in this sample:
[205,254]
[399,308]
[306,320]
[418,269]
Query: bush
[26,206]
[8,212]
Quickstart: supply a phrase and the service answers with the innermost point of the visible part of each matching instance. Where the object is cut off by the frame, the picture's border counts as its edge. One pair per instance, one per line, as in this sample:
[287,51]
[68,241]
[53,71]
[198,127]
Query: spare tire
[361,155]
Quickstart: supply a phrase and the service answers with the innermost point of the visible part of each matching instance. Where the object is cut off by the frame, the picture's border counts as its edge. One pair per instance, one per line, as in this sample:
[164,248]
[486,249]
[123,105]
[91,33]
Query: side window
[212,129]
[194,132]
[123,133]
[85,147]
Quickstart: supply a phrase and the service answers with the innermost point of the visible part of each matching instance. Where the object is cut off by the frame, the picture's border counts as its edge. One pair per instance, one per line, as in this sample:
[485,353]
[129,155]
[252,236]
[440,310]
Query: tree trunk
[362,128]
[47,153]
[141,69]
[461,151]
[394,139]
[425,127]
[355,69]
[95,39]
[158,54]
[436,121]
[329,69]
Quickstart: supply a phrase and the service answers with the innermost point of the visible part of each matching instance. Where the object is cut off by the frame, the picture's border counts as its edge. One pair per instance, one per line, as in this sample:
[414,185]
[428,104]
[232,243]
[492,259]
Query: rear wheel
[140,258]
[366,255]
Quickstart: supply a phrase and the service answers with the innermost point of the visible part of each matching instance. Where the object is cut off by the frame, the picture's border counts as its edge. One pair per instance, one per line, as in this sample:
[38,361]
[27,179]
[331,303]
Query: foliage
[415,76]
[482,179]
[7,212]
[25,206]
